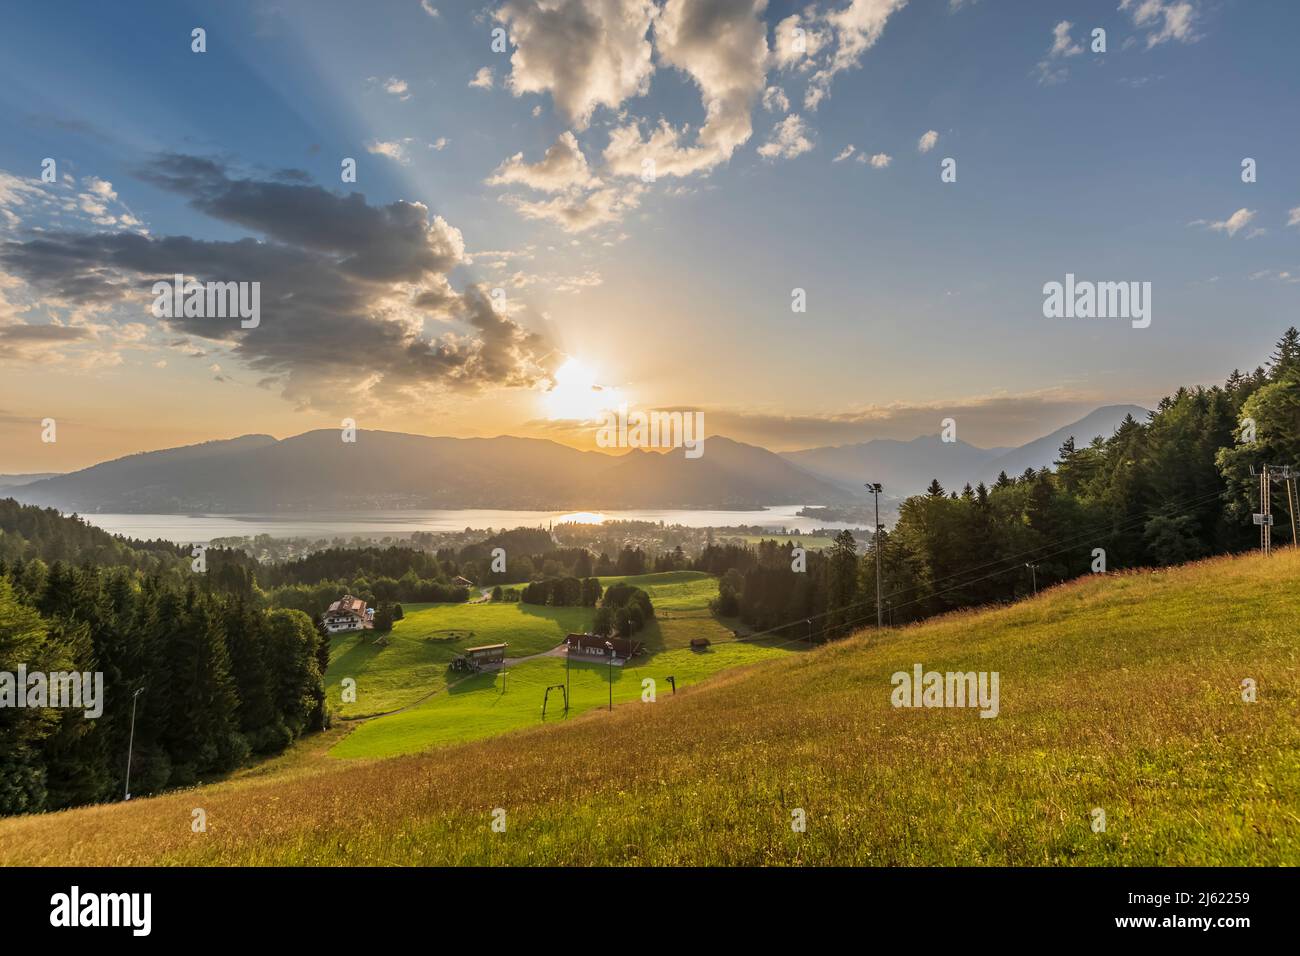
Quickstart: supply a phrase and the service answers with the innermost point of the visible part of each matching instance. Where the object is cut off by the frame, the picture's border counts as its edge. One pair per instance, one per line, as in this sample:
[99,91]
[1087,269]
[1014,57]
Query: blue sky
[924,298]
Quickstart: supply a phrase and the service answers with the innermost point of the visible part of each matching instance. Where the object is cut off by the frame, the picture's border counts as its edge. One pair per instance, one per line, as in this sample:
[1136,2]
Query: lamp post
[126,791]
[1033,573]
[875,488]
[610,648]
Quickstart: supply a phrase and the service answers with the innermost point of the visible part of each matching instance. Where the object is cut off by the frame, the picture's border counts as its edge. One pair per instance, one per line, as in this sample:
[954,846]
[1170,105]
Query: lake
[200,529]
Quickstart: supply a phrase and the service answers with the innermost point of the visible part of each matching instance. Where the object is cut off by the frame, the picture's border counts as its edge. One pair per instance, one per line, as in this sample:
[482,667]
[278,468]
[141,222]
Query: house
[594,645]
[476,658]
[462,582]
[699,643]
[348,614]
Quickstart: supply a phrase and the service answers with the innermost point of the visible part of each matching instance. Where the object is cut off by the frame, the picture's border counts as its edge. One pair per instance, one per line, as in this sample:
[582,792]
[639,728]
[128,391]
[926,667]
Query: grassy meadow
[483,705]
[487,704]
[1118,692]
[414,661]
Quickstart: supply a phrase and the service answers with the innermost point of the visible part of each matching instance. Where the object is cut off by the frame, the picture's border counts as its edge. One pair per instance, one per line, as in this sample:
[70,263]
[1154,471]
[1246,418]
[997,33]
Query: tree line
[220,681]
[1172,489]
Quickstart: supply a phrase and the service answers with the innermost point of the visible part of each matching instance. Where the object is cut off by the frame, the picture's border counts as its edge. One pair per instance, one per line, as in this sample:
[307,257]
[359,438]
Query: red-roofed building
[347,614]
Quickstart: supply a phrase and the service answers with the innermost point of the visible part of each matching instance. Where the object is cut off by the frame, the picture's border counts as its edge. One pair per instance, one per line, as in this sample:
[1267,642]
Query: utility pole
[1268,474]
[1033,572]
[1291,495]
[875,488]
[1266,506]
[126,791]
[610,648]
[1288,474]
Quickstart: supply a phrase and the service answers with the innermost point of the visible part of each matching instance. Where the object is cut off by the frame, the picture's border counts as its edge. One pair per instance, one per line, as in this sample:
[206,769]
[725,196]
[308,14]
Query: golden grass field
[1118,692]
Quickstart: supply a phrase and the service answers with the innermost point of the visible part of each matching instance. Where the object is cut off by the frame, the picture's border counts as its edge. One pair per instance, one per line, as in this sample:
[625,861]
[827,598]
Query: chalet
[462,582]
[476,658]
[348,614]
[594,645]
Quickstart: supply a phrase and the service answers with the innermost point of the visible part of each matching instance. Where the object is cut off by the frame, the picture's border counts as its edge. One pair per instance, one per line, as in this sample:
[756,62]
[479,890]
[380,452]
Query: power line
[1072,543]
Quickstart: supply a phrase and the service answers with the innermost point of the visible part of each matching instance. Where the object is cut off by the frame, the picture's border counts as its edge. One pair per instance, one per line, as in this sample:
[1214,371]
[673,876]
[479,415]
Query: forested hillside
[219,681]
[1165,491]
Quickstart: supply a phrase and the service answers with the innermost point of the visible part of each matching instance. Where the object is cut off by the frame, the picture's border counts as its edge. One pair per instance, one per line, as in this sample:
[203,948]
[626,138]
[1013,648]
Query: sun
[577,395]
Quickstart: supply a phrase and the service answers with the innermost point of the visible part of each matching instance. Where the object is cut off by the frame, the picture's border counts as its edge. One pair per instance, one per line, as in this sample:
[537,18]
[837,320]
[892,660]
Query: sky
[562,206]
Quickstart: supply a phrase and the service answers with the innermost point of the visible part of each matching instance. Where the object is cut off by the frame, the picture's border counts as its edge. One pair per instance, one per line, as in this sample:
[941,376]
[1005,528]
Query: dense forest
[1172,489]
[219,681]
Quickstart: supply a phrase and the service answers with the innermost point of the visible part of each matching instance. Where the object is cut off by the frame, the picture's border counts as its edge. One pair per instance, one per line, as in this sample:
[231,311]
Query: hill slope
[317,470]
[1117,692]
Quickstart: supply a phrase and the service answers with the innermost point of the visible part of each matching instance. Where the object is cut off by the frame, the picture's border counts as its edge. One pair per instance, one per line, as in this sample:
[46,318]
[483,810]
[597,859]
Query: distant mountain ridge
[317,471]
[13,481]
[907,467]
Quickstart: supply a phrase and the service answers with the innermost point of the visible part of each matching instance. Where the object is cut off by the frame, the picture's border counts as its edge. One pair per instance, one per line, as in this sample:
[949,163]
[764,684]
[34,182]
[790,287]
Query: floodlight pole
[126,790]
[876,488]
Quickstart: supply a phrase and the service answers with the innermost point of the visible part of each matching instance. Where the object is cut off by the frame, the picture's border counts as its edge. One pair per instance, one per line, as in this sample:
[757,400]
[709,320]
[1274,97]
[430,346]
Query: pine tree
[1285,359]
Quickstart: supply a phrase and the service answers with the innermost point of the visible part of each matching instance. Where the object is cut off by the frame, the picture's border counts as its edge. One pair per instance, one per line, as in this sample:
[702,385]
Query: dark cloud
[345,287]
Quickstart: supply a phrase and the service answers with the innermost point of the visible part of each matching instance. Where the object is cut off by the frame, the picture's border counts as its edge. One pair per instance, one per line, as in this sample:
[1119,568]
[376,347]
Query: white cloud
[393,149]
[1062,43]
[15,190]
[724,50]
[927,141]
[578,212]
[855,28]
[1293,217]
[775,100]
[880,160]
[562,167]
[1163,20]
[789,139]
[439,144]
[1050,69]
[101,188]
[796,43]
[395,86]
[482,79]
[430,9]
[1232,225]
[844,154]
[585,53]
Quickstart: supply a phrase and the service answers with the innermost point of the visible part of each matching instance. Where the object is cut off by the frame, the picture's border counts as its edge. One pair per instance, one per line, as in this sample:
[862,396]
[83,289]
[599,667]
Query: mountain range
[317,471]
[907,467]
